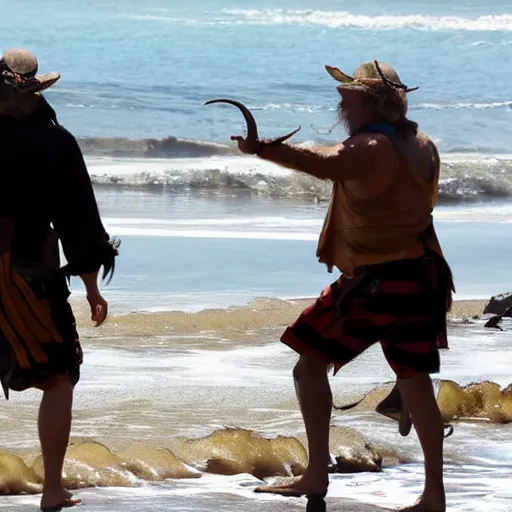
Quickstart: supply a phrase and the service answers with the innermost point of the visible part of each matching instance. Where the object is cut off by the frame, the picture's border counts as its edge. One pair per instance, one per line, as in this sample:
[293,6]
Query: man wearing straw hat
[395,286]
[44,182]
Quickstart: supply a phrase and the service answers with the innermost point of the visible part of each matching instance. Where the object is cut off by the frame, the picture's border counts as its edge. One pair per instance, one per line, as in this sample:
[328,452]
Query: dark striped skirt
[401,304]
[64,358]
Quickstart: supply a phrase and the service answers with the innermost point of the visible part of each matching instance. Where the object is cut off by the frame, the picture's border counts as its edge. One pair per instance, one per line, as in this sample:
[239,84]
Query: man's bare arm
[353,160]
[326,150]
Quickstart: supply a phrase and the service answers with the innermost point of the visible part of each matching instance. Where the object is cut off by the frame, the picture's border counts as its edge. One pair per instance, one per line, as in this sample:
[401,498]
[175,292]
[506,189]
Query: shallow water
[471,490]
[176,387]
[191,251]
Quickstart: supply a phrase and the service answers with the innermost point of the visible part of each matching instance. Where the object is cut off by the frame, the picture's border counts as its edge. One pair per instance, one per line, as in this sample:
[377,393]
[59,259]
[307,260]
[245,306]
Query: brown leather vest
[359,232]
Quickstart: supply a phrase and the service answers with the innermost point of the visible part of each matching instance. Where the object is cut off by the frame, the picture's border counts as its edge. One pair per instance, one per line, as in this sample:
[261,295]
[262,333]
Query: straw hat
[18,68]
[370,77]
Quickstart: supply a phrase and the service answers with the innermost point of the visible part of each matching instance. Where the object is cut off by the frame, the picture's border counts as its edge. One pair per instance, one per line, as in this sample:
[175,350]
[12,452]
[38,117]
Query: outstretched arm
[351,160]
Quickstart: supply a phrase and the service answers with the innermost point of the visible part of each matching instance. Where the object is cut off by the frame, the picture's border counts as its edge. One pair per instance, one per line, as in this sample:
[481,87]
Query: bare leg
[315,399]
[54,427]
[419,398]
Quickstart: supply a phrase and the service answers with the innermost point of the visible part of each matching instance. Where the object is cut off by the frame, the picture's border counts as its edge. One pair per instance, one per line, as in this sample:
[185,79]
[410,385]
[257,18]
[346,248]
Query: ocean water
[206,391]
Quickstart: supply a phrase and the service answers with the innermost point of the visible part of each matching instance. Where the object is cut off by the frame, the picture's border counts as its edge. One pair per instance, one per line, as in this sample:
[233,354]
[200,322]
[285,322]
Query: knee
[309,367]
[59,382]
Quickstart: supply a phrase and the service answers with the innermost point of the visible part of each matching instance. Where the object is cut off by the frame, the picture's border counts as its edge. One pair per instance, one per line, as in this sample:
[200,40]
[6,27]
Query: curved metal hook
[252,127]
[280,140]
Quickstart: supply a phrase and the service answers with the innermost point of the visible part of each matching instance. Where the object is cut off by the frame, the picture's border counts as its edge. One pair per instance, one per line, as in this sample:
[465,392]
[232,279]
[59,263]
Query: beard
[343,119]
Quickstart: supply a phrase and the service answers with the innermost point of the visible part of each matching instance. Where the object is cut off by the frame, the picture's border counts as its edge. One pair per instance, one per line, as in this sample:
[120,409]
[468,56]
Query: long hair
[14,103]
[390,105]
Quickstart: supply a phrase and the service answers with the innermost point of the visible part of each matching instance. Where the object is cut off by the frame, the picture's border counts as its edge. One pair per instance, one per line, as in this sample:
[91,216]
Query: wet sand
[262,313]
[194,374]
[103,500]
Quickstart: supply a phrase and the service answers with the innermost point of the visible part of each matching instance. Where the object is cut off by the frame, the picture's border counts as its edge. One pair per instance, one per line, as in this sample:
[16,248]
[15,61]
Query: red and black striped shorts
[400,304]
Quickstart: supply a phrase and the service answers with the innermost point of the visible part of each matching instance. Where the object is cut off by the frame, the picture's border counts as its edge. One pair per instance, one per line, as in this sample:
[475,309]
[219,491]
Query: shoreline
[460,307]
[257,314]
[163,498]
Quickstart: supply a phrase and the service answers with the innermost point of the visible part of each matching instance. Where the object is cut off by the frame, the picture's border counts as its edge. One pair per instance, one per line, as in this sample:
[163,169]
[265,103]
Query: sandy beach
[168,397]
[101,500]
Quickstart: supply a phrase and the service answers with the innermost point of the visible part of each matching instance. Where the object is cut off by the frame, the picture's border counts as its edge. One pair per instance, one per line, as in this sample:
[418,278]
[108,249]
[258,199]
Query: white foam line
[278,222]
[150,227]
[466,105]
[250,235]
[499,22]
[335,19]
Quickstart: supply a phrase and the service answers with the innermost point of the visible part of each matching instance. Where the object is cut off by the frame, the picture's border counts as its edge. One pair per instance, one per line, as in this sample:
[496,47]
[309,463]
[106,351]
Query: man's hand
[99,307]
[247,146]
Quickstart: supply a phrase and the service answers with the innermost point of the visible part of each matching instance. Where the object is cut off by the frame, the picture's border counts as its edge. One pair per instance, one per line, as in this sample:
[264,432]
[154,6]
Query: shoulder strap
[384,128]
[389,131]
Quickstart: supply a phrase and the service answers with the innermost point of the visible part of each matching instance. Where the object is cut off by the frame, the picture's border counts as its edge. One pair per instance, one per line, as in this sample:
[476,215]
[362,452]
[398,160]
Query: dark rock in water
[501,307]
[494,322]
[499,304]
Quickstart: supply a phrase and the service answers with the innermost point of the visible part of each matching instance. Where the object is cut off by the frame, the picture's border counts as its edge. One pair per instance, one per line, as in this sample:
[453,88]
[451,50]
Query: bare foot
[57,499]
[305,486]
[423,506]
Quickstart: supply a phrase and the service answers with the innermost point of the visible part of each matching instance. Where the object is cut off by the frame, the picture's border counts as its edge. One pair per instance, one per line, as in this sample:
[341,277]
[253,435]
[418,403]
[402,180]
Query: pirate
[45,196]
[395,287]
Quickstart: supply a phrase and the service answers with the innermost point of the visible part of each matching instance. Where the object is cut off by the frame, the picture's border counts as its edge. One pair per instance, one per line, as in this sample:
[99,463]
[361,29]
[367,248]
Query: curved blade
[280,140]
[252,128]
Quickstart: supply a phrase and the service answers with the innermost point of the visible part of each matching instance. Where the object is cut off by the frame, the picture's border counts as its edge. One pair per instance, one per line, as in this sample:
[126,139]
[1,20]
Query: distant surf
[335,19]
[178,164]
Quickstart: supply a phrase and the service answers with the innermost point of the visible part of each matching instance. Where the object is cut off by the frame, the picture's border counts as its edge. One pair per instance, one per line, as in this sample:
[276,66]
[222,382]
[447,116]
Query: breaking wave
[485,401]
[169,147]
[232,451]
[467,105]
[335,19]
[502,23]
[464,105]
[225,452]
[464,176]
